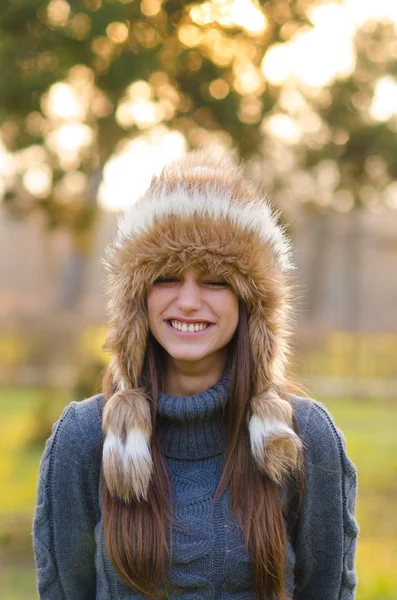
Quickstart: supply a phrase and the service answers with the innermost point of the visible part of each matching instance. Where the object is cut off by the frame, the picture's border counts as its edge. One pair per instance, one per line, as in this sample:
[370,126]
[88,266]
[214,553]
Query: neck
[191,428]
[186,378]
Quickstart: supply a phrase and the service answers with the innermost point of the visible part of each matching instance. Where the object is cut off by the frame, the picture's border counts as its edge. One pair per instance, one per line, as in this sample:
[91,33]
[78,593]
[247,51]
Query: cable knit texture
[209,557]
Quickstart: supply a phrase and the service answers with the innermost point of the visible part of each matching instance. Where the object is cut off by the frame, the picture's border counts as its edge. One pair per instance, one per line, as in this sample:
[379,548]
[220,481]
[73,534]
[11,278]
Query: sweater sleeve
[65,514]
[327,533]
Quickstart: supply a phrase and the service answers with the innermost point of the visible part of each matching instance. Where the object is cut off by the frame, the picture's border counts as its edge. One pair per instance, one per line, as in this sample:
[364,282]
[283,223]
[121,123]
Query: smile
[191,329]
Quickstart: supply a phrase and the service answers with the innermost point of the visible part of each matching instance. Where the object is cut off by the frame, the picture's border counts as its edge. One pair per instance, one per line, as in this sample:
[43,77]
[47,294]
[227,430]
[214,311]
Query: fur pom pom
[127,461]
[275,446]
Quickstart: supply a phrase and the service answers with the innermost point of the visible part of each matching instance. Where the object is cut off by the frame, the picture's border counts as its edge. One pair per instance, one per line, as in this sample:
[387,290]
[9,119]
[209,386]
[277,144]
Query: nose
[189,296]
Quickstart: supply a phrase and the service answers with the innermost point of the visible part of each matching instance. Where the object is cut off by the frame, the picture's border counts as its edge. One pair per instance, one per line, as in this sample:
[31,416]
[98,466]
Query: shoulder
[323,441]
[79,427]
[88,415]
[313,418]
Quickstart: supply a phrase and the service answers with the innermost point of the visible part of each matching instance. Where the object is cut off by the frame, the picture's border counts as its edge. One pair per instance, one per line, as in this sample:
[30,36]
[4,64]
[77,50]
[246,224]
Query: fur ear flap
[127,461]
[275,446]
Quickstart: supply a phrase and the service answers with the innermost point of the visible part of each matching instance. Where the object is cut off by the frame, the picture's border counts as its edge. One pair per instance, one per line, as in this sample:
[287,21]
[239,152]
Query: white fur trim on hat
[250,215]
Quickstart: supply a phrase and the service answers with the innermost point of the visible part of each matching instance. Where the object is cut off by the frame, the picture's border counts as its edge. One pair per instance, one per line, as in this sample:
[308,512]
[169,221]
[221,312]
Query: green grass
[26,415]
[18,583]
[369,428]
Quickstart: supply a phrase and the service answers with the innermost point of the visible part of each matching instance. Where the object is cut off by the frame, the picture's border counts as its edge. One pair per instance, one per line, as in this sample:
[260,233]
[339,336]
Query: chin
[190,356]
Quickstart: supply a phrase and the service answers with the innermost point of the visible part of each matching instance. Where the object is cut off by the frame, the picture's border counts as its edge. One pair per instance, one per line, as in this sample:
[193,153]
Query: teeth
[191,328]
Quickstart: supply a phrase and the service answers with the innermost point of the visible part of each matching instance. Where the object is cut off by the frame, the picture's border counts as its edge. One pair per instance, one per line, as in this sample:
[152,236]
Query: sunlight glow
[69,138]
[8,163]
[142,113]
[137,107]
[319,55]
[128,174]
[190,35]
[8,169]
[312,56]
[250,110]
[283,127]
[62,102]
[384,104]
[362,10]
[32,156]
[248,79]
[58,13]
[390,195]
[139,89]
[276,64]
[117,32]
[150,7]
[316,58]
[218,89]
[38,181]
[231,13]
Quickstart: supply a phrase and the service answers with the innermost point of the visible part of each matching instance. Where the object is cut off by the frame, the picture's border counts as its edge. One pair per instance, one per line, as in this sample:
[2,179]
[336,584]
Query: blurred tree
[360,114]
[66,90]
[340,134]
[332,147]
[81,77]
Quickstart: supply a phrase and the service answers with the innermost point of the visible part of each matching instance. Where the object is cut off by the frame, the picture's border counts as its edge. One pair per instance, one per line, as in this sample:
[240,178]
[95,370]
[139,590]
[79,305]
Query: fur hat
[204,212]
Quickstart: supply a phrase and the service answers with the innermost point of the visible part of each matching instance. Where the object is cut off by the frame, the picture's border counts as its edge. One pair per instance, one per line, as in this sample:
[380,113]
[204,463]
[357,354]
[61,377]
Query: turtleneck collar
[190,428]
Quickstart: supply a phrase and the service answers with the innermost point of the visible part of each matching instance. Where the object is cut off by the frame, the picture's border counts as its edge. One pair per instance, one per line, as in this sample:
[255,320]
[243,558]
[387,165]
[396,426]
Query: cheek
[229,306]
[154,305]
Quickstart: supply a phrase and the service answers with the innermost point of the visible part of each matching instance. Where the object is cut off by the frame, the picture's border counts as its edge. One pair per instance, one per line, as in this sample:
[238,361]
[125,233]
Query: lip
[182,320]
[189,333]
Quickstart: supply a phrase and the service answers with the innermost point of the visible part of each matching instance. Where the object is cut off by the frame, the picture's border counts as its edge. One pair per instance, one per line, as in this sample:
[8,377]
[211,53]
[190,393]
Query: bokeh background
[95,97]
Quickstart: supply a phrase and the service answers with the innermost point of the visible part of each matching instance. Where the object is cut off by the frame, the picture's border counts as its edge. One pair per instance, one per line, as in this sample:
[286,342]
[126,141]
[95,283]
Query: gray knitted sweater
[209,557]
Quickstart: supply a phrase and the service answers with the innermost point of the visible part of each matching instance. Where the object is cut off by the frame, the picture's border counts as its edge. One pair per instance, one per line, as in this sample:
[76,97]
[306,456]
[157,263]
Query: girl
[197,474]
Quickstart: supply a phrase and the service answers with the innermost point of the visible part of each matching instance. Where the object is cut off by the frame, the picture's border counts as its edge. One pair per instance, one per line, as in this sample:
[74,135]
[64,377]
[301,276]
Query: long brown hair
[136,534]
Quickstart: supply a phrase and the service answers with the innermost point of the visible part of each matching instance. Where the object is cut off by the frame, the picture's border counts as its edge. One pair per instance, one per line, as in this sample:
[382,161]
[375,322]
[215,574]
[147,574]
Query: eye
[164,280]
[217,283]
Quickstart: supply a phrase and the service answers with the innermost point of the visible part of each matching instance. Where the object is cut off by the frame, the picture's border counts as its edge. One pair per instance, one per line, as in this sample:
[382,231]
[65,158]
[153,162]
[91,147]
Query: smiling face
[178,305]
